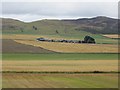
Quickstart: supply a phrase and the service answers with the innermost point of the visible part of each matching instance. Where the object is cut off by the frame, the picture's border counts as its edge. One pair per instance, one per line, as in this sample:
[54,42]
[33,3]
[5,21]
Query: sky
[72,9]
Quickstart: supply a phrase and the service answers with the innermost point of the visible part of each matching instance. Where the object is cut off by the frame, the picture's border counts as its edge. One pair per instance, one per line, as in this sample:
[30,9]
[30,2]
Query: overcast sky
[32,11]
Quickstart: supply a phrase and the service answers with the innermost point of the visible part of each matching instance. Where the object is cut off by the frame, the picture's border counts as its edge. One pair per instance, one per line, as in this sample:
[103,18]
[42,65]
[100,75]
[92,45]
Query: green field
[60,56]
[19,80]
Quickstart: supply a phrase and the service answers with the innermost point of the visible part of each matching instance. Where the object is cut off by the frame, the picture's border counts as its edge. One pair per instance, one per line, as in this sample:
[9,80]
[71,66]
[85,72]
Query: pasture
[59,56]
[27,80]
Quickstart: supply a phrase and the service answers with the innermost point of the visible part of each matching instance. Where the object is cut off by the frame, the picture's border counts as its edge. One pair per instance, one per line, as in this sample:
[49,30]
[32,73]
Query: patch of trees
[57,32]
[34,27]
[87,39]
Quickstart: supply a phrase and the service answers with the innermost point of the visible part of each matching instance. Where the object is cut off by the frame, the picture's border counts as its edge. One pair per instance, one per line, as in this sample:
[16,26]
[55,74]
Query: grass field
[59,56]
[11,80]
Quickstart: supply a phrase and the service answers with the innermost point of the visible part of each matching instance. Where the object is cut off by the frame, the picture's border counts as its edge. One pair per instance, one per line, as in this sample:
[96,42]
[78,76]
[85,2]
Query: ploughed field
[9,46]
[28,63]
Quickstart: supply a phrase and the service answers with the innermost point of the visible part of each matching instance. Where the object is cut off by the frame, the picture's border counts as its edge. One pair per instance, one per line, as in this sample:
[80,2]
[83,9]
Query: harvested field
[61,65]
[72,47]
[18,80]
[112,35]
[9,46]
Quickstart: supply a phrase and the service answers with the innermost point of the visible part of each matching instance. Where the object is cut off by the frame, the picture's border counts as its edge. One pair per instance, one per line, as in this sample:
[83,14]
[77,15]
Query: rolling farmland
[39,68]
[35,64]
[28,63]
[31,42]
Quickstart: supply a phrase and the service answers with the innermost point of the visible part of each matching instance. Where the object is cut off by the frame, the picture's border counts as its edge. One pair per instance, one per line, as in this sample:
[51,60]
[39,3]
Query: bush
[89,39]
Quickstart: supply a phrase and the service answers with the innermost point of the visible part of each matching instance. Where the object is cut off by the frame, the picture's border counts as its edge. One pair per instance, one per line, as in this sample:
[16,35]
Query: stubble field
[61,65]
[72,47]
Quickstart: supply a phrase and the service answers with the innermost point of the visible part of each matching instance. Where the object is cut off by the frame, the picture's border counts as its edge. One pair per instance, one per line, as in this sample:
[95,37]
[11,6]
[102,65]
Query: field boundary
[61,72]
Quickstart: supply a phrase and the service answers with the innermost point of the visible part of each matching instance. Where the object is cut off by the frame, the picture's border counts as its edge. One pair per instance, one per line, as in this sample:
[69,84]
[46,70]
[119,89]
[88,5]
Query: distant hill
[96,25]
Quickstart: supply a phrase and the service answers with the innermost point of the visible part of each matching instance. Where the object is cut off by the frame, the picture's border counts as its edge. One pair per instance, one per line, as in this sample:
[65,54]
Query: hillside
[96,25]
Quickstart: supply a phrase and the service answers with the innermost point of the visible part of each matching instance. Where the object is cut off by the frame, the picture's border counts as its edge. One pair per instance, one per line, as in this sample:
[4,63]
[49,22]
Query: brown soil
[10,46]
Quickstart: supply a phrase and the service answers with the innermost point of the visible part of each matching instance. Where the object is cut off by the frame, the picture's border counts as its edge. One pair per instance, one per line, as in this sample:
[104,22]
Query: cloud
[60,1]
[29,11]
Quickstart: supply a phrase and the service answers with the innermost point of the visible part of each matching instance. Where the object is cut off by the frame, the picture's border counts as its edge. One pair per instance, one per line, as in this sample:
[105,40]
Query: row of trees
[87,39]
